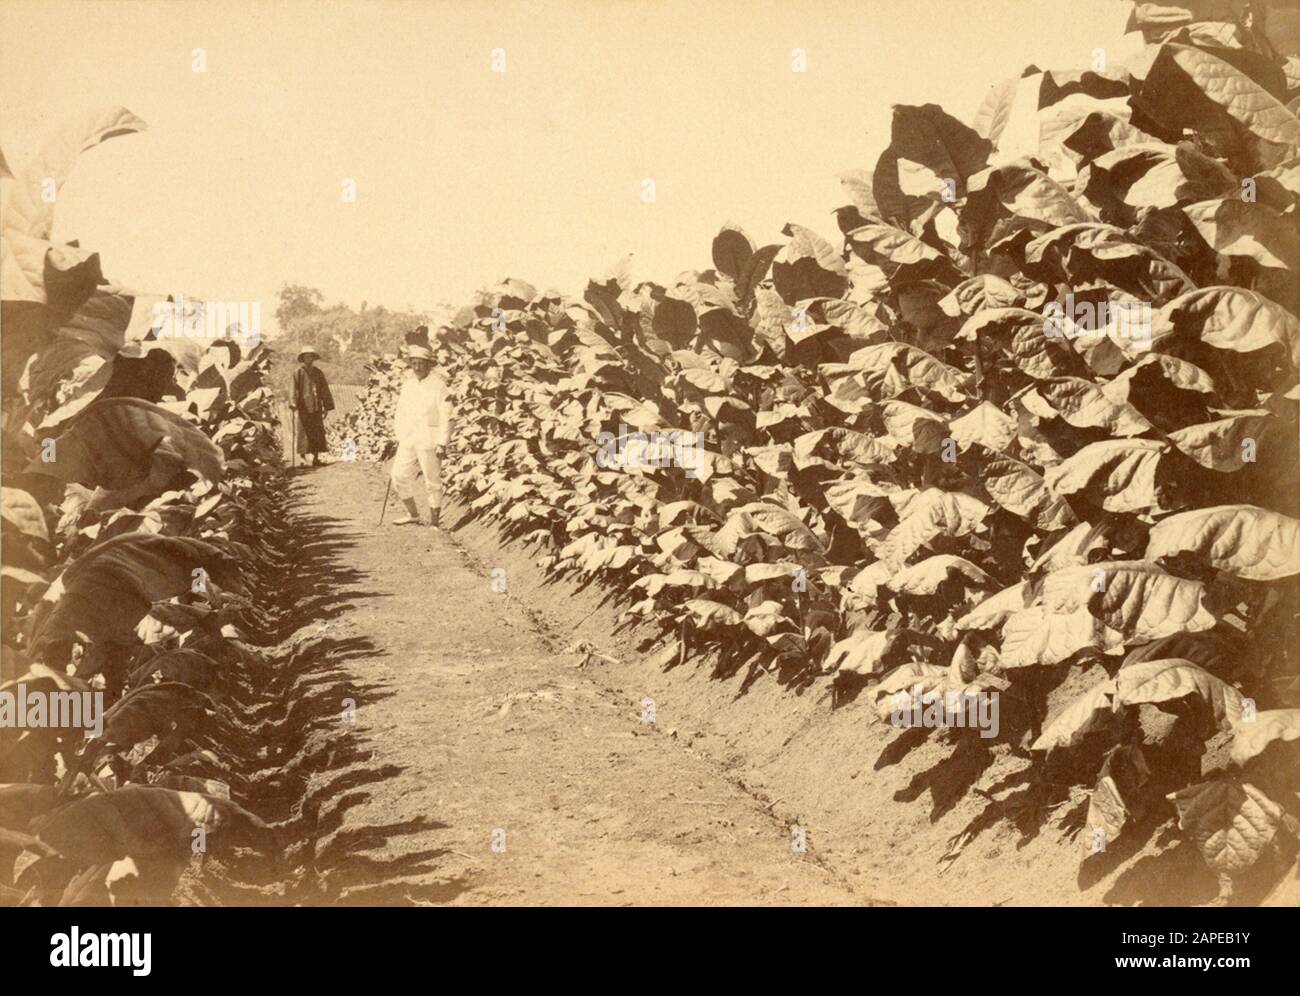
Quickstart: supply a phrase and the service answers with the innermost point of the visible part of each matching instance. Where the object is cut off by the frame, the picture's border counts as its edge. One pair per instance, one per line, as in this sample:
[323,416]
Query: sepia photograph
[650,453]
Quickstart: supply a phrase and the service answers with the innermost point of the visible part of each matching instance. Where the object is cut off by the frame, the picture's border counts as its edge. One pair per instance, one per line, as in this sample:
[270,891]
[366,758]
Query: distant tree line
[344,337]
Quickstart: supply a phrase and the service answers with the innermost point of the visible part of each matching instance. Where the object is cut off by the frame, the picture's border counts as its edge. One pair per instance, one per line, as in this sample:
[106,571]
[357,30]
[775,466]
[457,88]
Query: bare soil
[519,776]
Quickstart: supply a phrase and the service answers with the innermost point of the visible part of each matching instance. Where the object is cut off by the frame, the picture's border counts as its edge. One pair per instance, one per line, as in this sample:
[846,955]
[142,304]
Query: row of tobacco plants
[1032,414]
[139,479]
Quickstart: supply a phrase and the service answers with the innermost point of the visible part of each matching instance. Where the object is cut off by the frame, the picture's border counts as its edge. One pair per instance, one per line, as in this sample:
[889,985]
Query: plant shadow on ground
[724,660]
[304,762]
[1176,874]
[609,596]
[962,758]
[1019,798]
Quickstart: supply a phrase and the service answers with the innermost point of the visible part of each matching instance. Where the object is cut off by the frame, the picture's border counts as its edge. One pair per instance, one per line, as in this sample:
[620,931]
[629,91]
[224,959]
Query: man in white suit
[422,426]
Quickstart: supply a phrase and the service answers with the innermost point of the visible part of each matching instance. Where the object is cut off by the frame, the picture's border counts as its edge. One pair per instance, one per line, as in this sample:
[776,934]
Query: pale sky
[464,175]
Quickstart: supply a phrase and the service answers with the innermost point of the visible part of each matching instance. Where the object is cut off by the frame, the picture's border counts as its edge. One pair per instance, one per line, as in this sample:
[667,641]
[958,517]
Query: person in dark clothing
[311,400]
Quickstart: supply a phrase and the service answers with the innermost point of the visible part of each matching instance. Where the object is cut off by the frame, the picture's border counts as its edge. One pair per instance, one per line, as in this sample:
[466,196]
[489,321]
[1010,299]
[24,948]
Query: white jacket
[423,418]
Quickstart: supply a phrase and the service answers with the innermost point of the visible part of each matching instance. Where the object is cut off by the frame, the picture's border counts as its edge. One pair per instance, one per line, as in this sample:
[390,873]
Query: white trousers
[410,461]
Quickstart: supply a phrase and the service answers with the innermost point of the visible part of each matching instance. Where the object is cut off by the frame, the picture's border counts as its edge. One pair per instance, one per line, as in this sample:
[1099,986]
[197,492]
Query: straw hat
[416,352]
[417,345]
[308,352]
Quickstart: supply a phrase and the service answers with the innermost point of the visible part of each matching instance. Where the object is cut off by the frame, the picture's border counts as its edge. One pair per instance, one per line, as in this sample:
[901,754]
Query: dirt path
[519,778]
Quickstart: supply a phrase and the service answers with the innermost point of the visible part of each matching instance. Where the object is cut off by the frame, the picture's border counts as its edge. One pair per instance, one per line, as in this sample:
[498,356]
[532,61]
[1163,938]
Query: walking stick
[388,490]
[293,443]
